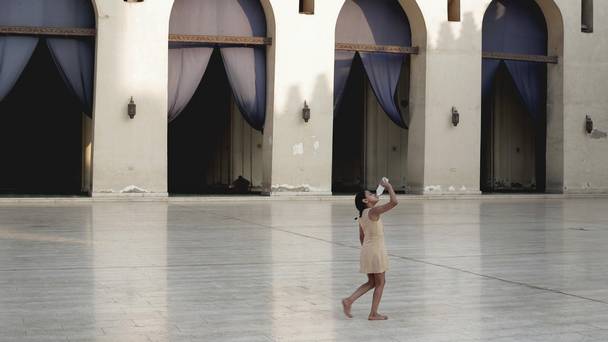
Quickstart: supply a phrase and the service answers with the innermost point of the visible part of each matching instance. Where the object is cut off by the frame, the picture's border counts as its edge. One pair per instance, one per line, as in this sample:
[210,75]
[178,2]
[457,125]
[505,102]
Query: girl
[374,259]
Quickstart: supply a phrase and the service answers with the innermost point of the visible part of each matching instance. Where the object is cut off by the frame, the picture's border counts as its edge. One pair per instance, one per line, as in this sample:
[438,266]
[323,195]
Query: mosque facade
[115,98]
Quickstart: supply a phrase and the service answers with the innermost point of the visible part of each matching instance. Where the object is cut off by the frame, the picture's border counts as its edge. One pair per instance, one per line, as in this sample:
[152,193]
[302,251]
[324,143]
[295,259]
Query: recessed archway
[219,67]
[46,97]
[378,93]
[522,103]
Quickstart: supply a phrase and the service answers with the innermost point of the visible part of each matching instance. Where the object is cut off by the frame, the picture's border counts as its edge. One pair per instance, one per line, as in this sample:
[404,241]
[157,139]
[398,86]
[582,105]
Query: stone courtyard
[495,269]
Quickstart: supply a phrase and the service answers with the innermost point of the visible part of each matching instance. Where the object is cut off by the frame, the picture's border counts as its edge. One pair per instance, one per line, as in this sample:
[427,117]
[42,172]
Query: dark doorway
[41,133]
[199,138]
[513,144]
[348,165]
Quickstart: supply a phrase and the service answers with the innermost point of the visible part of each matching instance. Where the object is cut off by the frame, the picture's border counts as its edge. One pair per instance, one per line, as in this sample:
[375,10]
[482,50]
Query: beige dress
[374,258]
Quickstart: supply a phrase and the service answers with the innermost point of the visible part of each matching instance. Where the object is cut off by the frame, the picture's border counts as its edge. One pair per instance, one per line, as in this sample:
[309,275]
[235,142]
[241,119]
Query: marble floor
[461,270]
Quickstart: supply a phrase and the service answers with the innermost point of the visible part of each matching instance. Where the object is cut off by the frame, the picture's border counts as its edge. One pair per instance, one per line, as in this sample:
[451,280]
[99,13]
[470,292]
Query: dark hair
[359,197]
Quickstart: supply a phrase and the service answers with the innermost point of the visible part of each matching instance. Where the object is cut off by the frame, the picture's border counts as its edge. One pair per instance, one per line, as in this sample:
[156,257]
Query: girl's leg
[379,280]
[348,302]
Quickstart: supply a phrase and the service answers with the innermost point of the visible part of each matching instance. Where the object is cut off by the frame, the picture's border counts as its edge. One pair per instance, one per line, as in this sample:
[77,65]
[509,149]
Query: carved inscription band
[377,48]
[47,31]
[232,40]
[83,32]
[518,57]
[235,40]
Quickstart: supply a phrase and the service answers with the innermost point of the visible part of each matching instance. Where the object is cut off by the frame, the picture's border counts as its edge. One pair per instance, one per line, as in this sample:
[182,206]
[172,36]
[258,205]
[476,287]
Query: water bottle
[380,189]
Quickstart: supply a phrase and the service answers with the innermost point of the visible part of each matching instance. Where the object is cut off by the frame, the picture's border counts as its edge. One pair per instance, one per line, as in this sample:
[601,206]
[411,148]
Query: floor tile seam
[432,264]
[418,225]
[586,251]
[597,327]
[173,266]
[284,230]
[535,287]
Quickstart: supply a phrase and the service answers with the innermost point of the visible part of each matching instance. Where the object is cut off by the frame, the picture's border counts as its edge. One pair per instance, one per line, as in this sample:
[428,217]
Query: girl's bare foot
[346,307]
[377,317]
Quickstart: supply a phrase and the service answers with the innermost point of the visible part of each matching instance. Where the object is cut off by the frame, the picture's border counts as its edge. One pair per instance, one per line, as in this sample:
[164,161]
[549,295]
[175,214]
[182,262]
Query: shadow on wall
[323,91]
[307,141]
[469,30]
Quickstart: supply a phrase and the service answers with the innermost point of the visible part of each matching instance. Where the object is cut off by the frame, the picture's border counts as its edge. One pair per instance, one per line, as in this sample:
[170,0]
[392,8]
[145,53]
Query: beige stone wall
[453,78]
[130,156]
[298,154]
[585,66]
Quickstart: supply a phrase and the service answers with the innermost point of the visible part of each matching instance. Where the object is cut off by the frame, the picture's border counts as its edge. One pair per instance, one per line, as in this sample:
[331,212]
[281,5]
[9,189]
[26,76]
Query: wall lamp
[306,112]
[455,117]
[132,108]
[588,124]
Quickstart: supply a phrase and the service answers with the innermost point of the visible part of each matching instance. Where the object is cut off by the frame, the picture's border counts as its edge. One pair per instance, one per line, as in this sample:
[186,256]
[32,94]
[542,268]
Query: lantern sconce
[455,117]
[306,112]
[132,108]
[588,124]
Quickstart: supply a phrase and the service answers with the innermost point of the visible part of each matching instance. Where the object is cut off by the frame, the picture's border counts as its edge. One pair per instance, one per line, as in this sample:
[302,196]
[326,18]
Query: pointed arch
[554,101]
[240,29]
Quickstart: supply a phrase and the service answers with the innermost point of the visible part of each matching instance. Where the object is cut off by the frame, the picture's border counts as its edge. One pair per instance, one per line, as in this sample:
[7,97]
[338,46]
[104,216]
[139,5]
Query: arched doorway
[217,96]
[514,97]
[371,95]
[46,96]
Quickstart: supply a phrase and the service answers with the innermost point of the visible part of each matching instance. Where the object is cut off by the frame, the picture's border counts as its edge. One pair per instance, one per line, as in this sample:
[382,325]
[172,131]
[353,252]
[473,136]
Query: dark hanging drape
[373,22]
[15,52]
[75,60]
[73,57]
[343,63]
[383,70]
[246,70]
[186,69]
[245,66]
[519,27]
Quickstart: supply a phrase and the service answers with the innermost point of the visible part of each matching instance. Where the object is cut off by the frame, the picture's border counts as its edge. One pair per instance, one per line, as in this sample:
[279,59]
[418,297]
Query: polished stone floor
[461,270]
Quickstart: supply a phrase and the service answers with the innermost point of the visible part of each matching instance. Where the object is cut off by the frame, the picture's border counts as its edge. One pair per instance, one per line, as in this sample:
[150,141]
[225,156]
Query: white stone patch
[432,188]
[302,189]
[463,188]
[298,149]
[132,189]
[452,188]
[291,188]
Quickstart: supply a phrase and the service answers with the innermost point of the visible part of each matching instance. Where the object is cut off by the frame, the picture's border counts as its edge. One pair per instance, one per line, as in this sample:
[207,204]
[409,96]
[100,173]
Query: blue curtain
[245,66]
[383,70]
[15,51]
[186,70]
[516,26]
[246,70]
[73,57]
[531,82]
[374,22]
[343,63]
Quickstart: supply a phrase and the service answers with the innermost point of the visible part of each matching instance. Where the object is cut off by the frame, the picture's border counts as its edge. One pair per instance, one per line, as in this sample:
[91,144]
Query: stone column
[298,155]
[445,159]
[130,155]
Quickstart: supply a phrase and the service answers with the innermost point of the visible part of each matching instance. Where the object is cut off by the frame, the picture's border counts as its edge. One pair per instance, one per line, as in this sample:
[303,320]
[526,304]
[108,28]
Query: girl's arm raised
[361,234]
[375,212]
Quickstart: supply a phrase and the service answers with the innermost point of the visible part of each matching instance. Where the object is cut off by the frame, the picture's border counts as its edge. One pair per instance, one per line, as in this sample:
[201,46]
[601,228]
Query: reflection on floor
[467,270]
